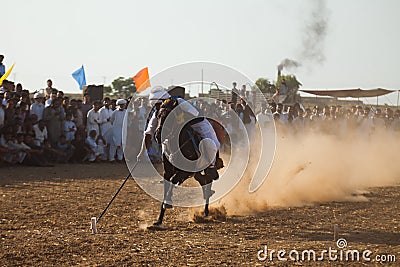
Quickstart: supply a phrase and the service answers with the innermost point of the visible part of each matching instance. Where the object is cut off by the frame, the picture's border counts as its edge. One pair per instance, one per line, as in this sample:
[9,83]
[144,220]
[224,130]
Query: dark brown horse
[188,145]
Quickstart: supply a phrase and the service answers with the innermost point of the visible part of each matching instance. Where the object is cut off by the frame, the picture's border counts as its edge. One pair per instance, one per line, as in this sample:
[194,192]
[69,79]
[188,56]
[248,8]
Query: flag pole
[202,76]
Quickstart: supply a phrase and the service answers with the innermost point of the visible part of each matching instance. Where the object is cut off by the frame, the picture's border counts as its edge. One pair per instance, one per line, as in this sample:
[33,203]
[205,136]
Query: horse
[188,145]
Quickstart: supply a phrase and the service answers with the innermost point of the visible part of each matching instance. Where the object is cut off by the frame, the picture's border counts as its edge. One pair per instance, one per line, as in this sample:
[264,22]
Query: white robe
[106,127]
[93,118]
[117,121]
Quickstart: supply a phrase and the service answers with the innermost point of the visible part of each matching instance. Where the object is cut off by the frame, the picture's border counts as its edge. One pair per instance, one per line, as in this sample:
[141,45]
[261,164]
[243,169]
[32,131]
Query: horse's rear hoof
[156,226]
[206,212]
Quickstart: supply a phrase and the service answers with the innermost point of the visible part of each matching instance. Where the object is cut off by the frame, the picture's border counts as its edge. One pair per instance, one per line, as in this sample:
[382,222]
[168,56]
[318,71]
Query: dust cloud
[314,166]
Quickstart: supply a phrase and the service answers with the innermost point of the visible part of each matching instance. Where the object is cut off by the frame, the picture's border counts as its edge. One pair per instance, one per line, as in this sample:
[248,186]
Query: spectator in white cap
[117,120]
[38,107]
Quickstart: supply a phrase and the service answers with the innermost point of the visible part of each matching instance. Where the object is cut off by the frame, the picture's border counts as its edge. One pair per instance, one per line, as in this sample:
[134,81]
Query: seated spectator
[52,154]
[8,153]
[16,153]
[101,144]
[40,130]
[95,152]
[37,151]
[65,148]
[81,149]
[69,127]
[32,157]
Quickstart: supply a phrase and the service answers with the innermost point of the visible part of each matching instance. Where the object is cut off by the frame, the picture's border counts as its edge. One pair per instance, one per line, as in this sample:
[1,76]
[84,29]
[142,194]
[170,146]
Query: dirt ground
[45,218]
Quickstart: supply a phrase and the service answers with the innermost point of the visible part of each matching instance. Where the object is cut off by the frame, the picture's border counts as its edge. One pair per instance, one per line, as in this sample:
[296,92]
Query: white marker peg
[335,232]
[93,225]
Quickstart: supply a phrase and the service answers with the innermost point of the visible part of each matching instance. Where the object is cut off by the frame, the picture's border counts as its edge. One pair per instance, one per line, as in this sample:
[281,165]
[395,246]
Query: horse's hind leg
[206,184]
[207,193]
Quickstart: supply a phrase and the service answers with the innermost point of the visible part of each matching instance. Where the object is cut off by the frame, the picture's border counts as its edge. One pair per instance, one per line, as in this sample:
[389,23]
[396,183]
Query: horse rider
[200,125]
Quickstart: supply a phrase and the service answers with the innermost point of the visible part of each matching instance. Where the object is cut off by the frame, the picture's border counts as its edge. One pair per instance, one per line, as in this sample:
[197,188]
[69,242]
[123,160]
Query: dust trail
[143,216]
[315,166]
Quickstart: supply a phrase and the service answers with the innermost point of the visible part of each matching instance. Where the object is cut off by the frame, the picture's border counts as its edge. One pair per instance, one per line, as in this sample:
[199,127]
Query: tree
[292,84]
[265,85]
[123,87]
[107,90]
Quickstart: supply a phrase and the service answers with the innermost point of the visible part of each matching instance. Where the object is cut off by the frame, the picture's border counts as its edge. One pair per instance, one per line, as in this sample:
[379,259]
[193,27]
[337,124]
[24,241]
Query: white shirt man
[105,126]
[37,107]
[117,120]
[105,119]
[69,129]
[93,118]
[40,133]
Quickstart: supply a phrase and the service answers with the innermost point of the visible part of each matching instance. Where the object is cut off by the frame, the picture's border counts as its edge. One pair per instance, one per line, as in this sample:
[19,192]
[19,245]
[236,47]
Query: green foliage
[291,81]
[107,90]
[265,85]
[123,87]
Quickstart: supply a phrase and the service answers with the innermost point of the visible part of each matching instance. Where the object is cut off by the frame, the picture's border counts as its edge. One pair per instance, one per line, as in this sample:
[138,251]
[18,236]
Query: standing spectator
[2,67]
[2,114]
[93,118]
[283,117]
[117,120]
[54,118]
[53,95]
[299,121]
[9,112]
[18,88]
[66,105]
[7,96]
[235,93]
[105,127]
[248,115]
[38,107]
[49,89]
[78,116]
[60,94]
[85,107]
[242,91]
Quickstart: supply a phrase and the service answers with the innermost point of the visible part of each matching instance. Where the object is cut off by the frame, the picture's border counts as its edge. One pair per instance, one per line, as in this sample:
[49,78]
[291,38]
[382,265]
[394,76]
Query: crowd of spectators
[41,129]
[336,119]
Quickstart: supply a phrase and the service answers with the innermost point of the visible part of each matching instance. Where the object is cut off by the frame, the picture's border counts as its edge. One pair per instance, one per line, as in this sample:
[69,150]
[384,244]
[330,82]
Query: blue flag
[79,76]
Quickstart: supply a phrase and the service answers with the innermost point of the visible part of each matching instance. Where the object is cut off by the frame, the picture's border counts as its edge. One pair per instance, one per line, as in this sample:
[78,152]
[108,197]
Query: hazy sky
[51,39]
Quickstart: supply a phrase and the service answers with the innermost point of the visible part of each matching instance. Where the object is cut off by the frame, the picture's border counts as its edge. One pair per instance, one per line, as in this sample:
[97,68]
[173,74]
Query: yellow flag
[6,74]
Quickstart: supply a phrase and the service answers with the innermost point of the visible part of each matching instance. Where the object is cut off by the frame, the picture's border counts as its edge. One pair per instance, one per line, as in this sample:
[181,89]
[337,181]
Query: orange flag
[142,80]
